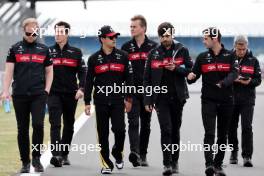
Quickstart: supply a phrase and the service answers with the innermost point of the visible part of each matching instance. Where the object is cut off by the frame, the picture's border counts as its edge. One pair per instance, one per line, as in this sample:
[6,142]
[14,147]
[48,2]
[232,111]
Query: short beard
[166,44]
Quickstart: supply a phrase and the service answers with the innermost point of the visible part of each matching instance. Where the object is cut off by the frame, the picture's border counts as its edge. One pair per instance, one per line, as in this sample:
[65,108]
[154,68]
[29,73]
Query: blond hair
[142,19]
[29,21]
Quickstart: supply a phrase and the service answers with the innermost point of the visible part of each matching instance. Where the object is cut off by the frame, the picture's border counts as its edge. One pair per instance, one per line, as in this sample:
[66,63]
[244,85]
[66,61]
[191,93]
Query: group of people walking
[58,76]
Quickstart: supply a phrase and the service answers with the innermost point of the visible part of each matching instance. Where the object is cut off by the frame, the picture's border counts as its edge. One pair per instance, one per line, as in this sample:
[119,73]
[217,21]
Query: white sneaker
[120,165]
[106,171]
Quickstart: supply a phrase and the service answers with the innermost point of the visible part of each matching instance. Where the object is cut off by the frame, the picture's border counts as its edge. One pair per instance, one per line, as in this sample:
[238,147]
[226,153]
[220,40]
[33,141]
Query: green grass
[9,154]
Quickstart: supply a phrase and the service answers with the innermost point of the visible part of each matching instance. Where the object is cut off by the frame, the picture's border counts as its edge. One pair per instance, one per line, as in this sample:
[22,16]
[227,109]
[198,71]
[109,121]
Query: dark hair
[142,19]
[65,24]
[163,28]
[213,32]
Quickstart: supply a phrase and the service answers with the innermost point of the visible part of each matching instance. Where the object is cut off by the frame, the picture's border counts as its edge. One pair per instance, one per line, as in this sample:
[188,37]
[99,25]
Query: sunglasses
[31,34]
[111,37]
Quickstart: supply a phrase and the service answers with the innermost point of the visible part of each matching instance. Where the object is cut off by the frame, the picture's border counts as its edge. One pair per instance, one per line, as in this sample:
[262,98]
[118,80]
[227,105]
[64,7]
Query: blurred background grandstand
[12,13]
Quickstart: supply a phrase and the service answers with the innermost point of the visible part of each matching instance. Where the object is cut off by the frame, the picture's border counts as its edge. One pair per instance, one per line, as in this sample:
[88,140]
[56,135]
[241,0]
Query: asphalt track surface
[191,163]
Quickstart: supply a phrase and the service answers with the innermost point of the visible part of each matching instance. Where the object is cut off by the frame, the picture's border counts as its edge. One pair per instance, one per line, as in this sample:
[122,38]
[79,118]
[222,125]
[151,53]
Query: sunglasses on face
[31,34]
[111,37]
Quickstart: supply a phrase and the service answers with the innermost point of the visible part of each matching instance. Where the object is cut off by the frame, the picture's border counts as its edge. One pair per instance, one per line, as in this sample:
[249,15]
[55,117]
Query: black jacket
[107,70]
[153,72]
[216,69]
[30,60]
[248,68]
[138,56]
[67,65]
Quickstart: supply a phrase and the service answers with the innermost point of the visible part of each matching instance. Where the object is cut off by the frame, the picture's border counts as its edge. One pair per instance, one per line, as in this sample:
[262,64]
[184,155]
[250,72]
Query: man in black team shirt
[245,94]
[138,49]
[65,92]
[218,73]
[29,64]
[108,67]
[167,66]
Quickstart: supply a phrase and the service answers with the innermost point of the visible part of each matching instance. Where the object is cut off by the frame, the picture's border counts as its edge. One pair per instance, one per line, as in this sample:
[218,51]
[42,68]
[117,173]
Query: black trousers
[24,106]
[115,113]
[246,111]
[61,106]
[221,113]
[169,111]
[139,136]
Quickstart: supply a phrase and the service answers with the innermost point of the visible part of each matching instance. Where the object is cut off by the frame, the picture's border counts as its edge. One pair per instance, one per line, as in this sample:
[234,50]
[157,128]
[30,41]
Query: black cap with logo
[107,31]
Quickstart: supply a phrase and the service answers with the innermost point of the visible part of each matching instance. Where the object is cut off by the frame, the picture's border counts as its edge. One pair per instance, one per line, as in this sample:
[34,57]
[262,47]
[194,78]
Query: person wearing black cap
[218,69]
[107,68]
[65,92]
[167,66]
[138,49]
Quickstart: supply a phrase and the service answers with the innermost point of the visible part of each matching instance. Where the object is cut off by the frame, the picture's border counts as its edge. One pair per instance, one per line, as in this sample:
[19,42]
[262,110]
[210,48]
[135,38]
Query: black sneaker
[219,171]
[119,161]
[247,162]
[65,160]
[167,171]
[209,171]
[143,161]
[175,168]
[56,161]
[233,158]
[119,165]
[106,171]
[134,159]
[25,168]
[37,164]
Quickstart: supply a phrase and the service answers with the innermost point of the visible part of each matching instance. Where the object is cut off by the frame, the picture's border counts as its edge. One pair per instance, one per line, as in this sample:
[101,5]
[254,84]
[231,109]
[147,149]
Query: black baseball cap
[107,31]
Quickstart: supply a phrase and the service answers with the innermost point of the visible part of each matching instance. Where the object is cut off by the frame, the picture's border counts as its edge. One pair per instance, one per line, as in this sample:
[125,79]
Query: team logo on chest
[209,58]
[100,58]
[39,47]
[53,52]
[156,55]
[118,56]
[70,51]
[247,69]
[132,47]
[20,49]
[109,67]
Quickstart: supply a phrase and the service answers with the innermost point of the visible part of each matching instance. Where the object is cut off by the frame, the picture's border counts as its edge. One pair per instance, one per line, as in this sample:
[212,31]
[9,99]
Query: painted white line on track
[46,156]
